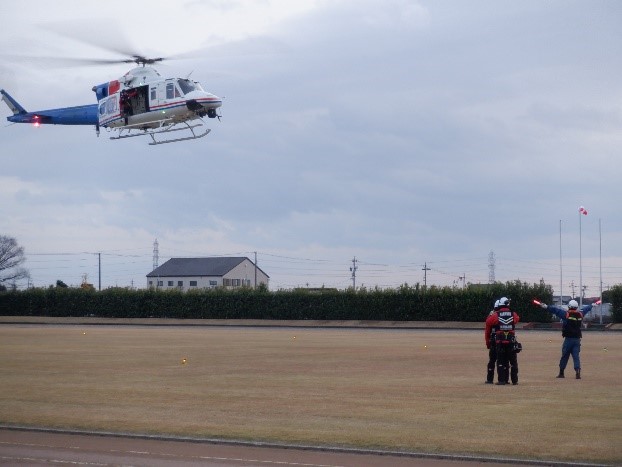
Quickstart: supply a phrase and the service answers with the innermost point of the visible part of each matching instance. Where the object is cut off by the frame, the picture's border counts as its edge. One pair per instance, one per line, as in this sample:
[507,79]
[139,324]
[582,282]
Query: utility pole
[425,270]
[100,271]
[463,279]
[255,269]
[353,269]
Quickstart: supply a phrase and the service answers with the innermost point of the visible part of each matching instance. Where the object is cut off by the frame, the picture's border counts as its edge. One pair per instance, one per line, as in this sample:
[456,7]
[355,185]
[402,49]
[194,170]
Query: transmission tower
[491,267]
[155,254]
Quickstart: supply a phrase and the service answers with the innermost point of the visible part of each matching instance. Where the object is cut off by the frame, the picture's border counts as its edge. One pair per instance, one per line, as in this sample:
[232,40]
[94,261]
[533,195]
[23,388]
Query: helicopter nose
[204,98]
[212,101]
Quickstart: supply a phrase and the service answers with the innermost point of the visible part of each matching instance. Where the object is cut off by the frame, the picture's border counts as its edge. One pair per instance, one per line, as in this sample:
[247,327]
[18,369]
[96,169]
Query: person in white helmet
[572,320]
[504,321]
[492,349]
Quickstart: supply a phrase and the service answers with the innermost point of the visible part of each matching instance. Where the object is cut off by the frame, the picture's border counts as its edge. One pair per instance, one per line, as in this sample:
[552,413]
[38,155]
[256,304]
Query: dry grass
[369,388]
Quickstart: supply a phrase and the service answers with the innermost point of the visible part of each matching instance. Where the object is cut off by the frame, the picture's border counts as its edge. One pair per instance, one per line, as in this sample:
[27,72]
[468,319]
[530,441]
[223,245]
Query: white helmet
[573,305]
[504,301]
[497,305]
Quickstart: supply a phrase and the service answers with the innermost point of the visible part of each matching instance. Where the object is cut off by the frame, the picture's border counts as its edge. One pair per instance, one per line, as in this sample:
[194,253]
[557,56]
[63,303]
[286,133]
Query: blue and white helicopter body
[140,103]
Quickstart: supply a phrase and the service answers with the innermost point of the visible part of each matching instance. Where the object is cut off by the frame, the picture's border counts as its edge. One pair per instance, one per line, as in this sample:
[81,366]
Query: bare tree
[11,258]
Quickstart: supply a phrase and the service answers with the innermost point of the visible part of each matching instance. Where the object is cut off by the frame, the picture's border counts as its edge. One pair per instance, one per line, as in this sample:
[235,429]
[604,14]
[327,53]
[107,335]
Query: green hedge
[616,303]
[405,303]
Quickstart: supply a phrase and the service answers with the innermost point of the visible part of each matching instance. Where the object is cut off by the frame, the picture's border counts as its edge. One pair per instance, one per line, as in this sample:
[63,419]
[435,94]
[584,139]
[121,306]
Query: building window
[213,283]
[160,283]
[150,283]
[170,283]
[193,283]
[180,283]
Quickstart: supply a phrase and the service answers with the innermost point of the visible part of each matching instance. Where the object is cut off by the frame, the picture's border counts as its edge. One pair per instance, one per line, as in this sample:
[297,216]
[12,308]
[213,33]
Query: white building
[207,273]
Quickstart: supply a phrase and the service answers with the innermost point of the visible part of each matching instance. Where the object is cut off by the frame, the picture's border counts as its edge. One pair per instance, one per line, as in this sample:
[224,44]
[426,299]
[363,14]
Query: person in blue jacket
[572,321]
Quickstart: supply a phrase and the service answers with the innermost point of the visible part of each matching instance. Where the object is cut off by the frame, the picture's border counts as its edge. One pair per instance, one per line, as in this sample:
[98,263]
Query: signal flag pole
[582,212]
[561,293]
[600,261]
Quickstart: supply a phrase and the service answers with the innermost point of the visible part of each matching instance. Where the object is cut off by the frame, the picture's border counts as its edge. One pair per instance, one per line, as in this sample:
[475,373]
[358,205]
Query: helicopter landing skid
[161,131]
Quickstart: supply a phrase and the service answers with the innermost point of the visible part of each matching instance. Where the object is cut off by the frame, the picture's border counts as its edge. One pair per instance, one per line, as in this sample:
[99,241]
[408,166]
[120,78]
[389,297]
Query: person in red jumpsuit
[504,321]
[492,350]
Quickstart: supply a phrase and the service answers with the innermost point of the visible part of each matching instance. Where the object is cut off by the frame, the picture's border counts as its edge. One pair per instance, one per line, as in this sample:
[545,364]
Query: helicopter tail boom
[77,115]
[12,103]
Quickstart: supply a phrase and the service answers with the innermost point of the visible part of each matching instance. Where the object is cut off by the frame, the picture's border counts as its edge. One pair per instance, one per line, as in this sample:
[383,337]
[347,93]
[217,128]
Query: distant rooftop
[214,266]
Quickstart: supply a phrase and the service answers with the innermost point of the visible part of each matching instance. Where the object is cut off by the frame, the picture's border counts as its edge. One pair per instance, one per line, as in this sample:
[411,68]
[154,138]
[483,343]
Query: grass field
[414,390]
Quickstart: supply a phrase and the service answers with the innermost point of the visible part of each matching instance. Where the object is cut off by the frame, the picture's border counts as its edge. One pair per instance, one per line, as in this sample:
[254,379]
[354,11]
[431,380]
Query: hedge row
[615,295]
[403,304]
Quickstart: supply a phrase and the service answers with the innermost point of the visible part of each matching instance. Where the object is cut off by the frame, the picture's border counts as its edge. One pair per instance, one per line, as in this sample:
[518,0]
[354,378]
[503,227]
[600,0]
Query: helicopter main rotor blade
[114,40]
[60,62]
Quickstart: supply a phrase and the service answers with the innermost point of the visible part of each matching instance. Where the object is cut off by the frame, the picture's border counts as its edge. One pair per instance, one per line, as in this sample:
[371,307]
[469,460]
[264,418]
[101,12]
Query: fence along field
[412,390]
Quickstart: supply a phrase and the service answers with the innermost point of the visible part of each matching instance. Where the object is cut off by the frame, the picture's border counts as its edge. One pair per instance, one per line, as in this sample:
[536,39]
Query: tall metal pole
[561,293]
[100,271]
[600,261]
[580,263]
[255,269]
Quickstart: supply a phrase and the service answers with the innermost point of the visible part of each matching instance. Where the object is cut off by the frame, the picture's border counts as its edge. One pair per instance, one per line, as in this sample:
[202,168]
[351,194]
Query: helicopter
[140,103]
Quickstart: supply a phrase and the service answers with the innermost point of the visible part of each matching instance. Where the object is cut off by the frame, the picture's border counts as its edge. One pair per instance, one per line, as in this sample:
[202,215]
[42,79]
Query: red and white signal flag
[536,302]
[582,210]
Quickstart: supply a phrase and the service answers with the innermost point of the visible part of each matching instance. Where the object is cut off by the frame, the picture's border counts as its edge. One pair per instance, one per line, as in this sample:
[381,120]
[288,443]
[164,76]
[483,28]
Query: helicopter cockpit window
[187,86]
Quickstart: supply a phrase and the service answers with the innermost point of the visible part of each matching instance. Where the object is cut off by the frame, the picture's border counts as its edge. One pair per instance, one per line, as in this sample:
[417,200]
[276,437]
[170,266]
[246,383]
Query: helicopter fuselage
[143,99]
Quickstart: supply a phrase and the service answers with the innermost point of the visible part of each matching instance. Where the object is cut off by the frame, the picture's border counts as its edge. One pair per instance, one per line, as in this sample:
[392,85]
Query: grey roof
[214,267]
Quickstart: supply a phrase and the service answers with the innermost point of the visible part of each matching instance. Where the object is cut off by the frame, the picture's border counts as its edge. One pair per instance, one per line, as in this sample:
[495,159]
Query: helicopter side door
[134,101]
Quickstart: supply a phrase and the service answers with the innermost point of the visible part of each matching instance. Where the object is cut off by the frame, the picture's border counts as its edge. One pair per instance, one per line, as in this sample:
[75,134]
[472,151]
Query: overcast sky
[402,133]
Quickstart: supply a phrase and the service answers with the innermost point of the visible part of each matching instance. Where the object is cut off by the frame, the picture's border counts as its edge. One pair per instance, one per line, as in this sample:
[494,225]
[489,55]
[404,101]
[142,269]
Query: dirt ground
[402,389]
